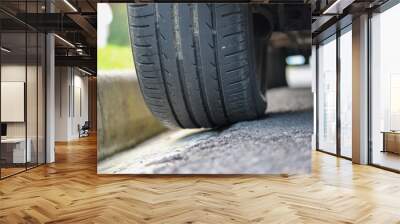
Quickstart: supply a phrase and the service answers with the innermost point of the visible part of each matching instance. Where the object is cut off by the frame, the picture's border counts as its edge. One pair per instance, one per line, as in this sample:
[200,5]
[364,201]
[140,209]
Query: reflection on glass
[394,102]
[14,153]
[22,90]
[41,98]
[346,94]
[385,84]
[31,101]
[327,97]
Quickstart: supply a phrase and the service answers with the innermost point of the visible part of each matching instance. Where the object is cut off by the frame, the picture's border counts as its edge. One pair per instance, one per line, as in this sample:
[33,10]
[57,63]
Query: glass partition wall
[334,105]
[13,110]
[385,89]
[346,95]
[327,95]
[334,90]
[22,66]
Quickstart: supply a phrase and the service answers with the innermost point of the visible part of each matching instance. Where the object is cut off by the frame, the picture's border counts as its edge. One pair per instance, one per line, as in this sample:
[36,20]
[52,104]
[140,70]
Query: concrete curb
[123,118]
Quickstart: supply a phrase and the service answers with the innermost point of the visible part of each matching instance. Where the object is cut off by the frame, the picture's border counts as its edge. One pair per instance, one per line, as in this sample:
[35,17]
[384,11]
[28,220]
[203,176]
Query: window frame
[332,33]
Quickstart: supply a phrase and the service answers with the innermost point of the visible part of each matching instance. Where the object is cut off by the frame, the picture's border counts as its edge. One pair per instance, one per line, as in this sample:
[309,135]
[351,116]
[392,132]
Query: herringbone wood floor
[69,191]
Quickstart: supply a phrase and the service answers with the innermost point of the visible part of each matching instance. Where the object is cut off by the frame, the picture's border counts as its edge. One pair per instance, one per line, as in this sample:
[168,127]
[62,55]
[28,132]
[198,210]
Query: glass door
[345,43]
[327,95]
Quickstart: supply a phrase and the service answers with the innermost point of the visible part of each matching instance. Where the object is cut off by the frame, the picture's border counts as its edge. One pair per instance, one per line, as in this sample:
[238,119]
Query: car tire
[195,63]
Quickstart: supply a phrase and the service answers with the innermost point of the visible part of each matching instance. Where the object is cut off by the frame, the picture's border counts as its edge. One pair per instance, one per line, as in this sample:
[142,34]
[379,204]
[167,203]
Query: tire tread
[192,76]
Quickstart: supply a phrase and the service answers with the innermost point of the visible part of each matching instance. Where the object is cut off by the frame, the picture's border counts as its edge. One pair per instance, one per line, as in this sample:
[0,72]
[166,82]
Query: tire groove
[157,26]
[250,44]
[176,29]
[234,33]
[143,16]
[138,26]
[236,52]
[215,43]
[231,13]
[236,69]
[196,49]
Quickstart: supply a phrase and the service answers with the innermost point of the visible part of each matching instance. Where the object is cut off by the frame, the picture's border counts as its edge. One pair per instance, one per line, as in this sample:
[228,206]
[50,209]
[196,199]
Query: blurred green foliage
[117,55]
[113,57]
[119,33]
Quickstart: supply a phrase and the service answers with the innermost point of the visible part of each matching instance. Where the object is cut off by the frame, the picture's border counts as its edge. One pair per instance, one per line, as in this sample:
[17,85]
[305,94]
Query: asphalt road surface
[278,143]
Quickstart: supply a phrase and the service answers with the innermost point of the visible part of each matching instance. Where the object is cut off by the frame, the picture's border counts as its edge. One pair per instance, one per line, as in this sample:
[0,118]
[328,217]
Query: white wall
[17,73]
[80,83]
[62,82]
[70,83]
[13,101]
[12,73]
[34,124]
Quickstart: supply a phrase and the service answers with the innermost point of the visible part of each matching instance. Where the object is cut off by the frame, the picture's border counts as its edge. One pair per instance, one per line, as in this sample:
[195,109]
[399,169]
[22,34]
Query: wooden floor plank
[70,191]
